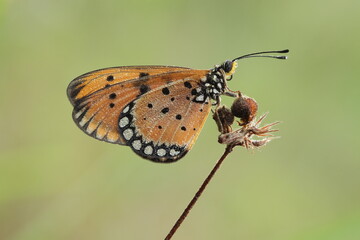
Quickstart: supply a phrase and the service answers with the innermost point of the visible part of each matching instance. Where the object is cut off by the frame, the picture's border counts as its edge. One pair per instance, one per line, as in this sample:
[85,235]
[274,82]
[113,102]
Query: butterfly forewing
[101,98]
[91,82]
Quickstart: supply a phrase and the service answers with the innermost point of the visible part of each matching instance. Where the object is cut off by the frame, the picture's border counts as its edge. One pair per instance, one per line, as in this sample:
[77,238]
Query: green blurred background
[58,183]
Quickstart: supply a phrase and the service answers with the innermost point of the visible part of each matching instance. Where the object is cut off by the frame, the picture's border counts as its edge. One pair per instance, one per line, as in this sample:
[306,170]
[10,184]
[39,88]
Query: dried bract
[244,136]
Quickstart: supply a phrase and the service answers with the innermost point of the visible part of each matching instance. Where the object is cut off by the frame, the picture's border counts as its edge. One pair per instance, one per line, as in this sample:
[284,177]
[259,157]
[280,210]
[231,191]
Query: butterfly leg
[231,93]
[216,102]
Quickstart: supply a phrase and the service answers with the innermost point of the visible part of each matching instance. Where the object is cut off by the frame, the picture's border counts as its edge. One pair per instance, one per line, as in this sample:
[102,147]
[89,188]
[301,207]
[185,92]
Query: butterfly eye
[227,66]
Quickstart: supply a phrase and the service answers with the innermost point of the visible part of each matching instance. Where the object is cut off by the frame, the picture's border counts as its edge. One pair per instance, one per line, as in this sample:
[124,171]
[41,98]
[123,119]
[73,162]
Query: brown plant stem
[199,192]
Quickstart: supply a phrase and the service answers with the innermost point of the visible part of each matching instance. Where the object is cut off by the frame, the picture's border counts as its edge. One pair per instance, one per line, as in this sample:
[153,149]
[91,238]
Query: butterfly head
[215,82]
[229,68]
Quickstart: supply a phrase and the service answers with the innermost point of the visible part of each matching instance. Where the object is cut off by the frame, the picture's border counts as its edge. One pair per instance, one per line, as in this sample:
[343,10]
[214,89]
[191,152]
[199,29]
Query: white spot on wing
[128,133]
[161,152]
[126,109]
[173,152]
[123,122]
[148,150]
[200,98]
[136,144]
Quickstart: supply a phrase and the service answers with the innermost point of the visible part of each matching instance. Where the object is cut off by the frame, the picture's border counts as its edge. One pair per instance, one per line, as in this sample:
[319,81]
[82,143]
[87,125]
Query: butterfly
[158,111]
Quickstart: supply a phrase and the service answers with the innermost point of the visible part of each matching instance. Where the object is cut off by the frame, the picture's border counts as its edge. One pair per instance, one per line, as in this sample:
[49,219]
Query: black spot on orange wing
[143,74]
[110,78]
[112,96]
[187,84]
[143,79]
[165,110]
[144,89]
[165,91]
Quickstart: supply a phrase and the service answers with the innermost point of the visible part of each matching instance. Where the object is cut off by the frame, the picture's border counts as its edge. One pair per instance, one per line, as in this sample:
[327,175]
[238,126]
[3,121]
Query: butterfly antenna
[258,54]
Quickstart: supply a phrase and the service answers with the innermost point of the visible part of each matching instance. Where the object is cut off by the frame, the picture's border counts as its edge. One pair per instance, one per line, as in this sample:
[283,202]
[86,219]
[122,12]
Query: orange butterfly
[158,111]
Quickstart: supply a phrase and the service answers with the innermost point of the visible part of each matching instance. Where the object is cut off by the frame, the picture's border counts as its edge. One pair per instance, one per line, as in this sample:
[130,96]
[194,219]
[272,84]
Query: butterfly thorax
[213,85]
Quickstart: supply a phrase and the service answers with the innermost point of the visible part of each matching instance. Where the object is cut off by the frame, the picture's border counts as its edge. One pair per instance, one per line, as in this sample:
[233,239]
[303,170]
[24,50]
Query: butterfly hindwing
[163,124]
